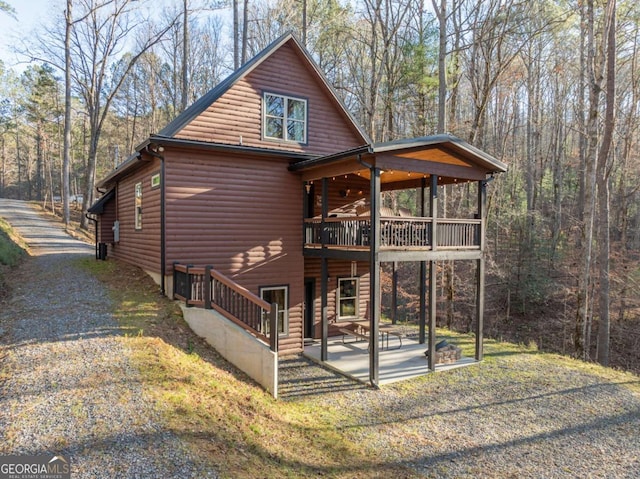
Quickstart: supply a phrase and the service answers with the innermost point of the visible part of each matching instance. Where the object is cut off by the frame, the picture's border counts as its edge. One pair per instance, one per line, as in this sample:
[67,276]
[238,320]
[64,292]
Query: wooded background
[551,88]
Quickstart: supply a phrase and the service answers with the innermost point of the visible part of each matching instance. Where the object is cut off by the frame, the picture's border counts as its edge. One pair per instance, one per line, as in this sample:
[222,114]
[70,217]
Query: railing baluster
[394,232]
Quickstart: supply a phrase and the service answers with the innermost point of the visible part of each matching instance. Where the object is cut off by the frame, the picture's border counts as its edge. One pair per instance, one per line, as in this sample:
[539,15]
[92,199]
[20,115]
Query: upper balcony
[334,185]
[396,233]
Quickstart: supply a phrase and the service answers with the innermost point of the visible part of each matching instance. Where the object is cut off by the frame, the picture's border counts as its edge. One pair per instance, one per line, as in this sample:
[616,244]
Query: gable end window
[285,118]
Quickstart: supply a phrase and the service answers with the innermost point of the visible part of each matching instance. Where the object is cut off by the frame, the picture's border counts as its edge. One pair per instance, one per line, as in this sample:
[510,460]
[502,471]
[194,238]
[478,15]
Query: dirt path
[67,382]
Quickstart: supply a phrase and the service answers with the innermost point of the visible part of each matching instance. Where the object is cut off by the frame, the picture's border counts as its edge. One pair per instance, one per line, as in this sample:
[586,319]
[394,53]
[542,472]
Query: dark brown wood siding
[236,117]
[140,247]
[337,269]
[241,215]
[105,222]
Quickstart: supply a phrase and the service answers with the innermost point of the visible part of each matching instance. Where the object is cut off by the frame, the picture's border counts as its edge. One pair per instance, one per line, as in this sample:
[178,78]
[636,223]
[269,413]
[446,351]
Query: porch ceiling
[405,163]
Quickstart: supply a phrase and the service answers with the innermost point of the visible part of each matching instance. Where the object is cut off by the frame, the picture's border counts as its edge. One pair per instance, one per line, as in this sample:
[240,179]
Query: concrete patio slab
[351,358]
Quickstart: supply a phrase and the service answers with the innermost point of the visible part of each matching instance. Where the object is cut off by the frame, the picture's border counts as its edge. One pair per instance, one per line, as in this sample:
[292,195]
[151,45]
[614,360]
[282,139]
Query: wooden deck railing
[207,288]
[395,232]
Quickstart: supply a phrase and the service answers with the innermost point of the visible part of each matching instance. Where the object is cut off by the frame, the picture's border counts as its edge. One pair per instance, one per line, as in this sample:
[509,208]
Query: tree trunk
[185,56]
[304,23]
[236,36]
[66,156]
[594,75]
[441,13]
[245,31]
[604,325]
[90,178]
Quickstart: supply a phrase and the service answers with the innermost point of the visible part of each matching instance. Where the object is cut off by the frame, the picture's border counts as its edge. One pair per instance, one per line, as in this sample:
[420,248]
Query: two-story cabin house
[270,181]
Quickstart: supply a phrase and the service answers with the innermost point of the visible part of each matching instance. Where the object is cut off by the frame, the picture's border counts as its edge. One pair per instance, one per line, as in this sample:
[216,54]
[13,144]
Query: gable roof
[197,108]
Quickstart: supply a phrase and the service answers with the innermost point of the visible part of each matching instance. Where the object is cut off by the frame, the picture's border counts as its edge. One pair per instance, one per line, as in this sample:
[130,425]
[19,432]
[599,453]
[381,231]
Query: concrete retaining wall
[236,345]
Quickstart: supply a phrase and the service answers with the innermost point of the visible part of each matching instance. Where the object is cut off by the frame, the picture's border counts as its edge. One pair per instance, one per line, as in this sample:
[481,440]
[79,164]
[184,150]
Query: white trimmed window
[348,300]
[285,118]
[138,206]
[280,296]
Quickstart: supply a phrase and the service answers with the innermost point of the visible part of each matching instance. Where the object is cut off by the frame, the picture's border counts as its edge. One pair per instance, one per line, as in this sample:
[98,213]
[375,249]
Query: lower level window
[348,298]
[280,296]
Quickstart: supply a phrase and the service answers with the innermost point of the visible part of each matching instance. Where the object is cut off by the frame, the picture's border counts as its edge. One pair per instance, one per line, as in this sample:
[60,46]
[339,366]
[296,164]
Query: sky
[29,13]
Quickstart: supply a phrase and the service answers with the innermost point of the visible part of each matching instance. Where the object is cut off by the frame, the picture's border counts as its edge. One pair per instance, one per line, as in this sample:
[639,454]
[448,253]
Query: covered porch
[337,228]
[395,364]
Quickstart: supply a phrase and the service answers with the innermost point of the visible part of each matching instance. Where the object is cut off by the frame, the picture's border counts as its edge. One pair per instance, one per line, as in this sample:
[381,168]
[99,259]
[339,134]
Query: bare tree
[595,64]
[66,154]
[602,173]
[8,9]
[185,55]
[97,39]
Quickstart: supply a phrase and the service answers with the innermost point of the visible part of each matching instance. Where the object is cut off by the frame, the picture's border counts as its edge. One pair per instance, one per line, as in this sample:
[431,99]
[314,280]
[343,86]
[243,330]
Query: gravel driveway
[67,383]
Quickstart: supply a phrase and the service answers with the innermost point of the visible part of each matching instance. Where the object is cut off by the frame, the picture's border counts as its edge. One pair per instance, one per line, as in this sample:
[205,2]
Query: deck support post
[207,286]
[480,269]
[479,308]
[422,320]
[374,280]
[433,212]
[324,277]
[273,327]
[394,292]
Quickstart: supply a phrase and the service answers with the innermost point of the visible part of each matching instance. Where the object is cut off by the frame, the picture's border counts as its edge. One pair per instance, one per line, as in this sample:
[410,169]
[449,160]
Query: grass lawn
[12,247]
[241,432]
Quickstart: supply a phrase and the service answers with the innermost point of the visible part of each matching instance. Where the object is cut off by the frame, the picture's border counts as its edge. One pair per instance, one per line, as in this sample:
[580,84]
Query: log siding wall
[337,269]
[139,247]
[236,117]
[105,222]
[243,216]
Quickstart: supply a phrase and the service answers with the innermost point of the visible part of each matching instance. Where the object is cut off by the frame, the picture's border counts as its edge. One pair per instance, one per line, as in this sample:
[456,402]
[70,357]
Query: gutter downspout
[163,240]
[95,223]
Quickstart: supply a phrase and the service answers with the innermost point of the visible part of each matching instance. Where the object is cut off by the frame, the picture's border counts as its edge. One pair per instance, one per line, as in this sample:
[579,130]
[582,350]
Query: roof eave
[205,145]
[122,168]
[315,162]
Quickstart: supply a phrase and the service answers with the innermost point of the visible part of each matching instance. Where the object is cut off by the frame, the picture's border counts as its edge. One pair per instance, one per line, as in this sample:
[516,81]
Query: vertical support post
[273,327]
[324,308]
[305,214]
[394,293]
[423,270]
[374,280]
[324,273]
[188,300]
[432,315]
[325,212]
[433,212]
[482,212]
[207,286]
[479,309]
